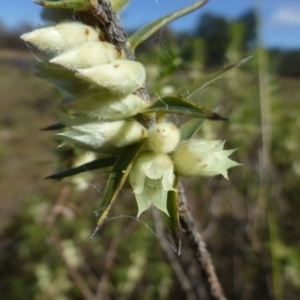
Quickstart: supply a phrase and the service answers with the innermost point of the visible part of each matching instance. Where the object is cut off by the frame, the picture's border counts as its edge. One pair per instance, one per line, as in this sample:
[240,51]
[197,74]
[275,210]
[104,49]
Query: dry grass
[26,105]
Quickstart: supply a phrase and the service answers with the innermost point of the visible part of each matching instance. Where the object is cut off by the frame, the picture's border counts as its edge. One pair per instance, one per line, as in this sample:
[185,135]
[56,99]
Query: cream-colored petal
[143,203]
[159,199]
[137,181]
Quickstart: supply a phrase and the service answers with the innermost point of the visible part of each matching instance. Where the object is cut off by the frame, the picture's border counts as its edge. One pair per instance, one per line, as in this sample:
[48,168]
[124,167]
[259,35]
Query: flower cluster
[153,173]
[101,84]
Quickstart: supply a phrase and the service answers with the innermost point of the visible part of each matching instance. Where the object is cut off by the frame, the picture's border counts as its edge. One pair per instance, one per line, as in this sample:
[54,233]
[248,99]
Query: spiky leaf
[93,165]
[172,221]
[56,126]
[174,104]
[116,180]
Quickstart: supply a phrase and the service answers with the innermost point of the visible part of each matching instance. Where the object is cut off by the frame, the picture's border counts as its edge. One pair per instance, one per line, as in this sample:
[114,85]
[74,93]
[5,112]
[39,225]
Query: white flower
[151,177]
[204,158]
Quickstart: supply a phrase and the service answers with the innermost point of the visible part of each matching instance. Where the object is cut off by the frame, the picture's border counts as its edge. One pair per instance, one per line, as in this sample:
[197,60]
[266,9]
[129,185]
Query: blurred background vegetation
[251,223]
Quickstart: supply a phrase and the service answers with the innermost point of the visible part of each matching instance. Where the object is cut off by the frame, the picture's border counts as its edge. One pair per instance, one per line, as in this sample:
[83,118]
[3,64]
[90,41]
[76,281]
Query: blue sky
[280,19]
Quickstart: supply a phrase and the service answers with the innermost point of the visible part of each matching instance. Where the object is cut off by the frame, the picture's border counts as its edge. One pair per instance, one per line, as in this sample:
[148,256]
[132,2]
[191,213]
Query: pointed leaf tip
[116,180]
[56,126]
[93,165]
[216,117]
[95,231]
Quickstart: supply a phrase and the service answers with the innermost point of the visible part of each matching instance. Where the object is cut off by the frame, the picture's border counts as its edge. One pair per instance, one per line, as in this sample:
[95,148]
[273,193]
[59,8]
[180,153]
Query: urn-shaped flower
[151,177]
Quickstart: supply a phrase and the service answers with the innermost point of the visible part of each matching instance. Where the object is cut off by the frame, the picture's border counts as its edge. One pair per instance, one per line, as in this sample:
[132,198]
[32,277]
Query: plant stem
[112,26]
[79,280]
[115,34]
[198,246]
[173,258]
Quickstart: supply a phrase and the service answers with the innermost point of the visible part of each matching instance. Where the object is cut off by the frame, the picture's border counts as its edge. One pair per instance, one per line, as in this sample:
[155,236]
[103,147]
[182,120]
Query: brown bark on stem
[198,246]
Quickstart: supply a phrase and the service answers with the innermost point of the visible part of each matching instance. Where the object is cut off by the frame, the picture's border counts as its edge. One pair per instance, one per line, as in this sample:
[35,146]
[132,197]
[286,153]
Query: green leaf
[69,4]
[172,221]
[118,5]
[116,180]
[189,129]
[174,104]
[189,91]
[141,35]
[93,165]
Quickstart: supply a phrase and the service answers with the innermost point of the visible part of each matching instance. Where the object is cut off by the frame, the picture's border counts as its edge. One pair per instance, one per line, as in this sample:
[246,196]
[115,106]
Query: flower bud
[202,158]
[163,137]
[100,105]
[88,55]
[103,137]
[62,37]
[120,76]
[151,177]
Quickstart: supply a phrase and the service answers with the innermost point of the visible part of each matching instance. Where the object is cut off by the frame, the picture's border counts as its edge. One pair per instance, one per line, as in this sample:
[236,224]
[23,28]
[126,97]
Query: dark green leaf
[173,104]
[141,35]
[172,221]
[116,180]
[56,126]
[93,165]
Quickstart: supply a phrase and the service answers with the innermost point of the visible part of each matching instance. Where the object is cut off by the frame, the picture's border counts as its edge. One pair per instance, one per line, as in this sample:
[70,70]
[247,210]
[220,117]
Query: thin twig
[57,243]
[110,260]
[173,258]
[198,245]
